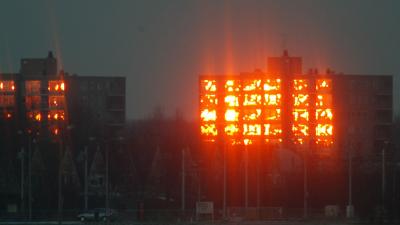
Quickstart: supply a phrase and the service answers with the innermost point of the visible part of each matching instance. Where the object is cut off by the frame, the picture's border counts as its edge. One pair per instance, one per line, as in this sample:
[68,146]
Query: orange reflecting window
[32,87]
[251,129]
[209,129]
[231,129]
[251,84]
[324,85]
[208,108]
[324,112]
[7,86]
[56,101]
[56,115]
[32,102]
[34,116]
[56,86]
[7,101]
[301,104]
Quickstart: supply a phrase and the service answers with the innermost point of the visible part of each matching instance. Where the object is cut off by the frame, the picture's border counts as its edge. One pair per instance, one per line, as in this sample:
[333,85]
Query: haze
[162,46]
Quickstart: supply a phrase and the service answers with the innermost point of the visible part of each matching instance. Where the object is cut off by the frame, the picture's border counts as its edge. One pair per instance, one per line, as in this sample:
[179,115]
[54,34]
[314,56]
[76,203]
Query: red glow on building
[251,109]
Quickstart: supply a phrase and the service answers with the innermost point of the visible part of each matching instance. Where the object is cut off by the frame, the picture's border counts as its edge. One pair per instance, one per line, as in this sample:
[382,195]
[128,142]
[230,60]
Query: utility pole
[183,181]
[305,213]
[30,180]
[350,208]
[86,177]
[224,181]
[258,179]
[383,176]
[60,156]
[246,178]
[107,182]
[22,157]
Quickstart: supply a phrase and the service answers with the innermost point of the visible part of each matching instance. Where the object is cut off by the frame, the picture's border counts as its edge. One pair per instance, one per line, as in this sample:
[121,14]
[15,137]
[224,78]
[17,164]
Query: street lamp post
[183,181]
[22,158]
[246,177]
[305,187]
[60,154]
[350,207]
[120,139]
[86,188]
[86,176]
[224,181]
[107,182]
[30,177]
[383,175]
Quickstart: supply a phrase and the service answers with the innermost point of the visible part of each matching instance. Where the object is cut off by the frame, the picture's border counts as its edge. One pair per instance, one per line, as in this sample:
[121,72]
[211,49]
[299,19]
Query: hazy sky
[162,46]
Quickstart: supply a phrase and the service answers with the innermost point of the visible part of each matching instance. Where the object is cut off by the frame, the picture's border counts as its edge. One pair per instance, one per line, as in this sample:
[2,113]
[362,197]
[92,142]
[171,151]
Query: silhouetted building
[43,109]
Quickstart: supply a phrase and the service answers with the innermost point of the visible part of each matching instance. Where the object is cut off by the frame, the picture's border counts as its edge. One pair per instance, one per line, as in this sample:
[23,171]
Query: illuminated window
[232,100]
[251,129]
[232,86]
[208,108]
[7,101]
[272,99]
[231,115]
[7,86]
[251,85]
[231,129]
[56,86]
[209,85]
[56,101]
[208,115]
[324,113]
[56,115]
[32,87]
[32,102]
[301,103]
[272,114]
[209,129]
[34,116]
[324,85]
[251,114]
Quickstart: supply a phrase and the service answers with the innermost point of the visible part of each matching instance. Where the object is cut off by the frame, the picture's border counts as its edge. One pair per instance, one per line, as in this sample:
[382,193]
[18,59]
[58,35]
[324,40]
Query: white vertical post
[22,157]
[30,180]
[107,182]
[305,212]
[86,177]
[183,180]
[350,208]
[224,181]
[246,177]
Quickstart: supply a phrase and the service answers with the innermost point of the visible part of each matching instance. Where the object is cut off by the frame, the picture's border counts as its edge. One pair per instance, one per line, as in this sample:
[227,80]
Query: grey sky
[162,46]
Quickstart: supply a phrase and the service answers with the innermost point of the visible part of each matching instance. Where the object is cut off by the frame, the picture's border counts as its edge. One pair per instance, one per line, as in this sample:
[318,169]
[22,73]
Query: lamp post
[350,207]
[183,181]
[305,188]
[30,177]
[59,211]
[246,177]
[305,180]
[107,181]
[60,155]
[21,156]
[120,139]
[224,181]
[86,198]
[384,175]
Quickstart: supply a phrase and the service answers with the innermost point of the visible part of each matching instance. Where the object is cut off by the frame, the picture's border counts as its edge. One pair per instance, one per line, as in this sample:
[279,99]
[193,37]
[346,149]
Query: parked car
[97,214]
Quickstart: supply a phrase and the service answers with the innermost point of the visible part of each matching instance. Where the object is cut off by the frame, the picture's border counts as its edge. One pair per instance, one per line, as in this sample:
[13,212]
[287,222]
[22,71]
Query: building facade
[268,128]
[48,113]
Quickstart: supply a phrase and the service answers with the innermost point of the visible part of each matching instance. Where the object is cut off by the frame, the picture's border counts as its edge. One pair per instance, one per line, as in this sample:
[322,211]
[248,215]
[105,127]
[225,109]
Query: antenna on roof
[284,41]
